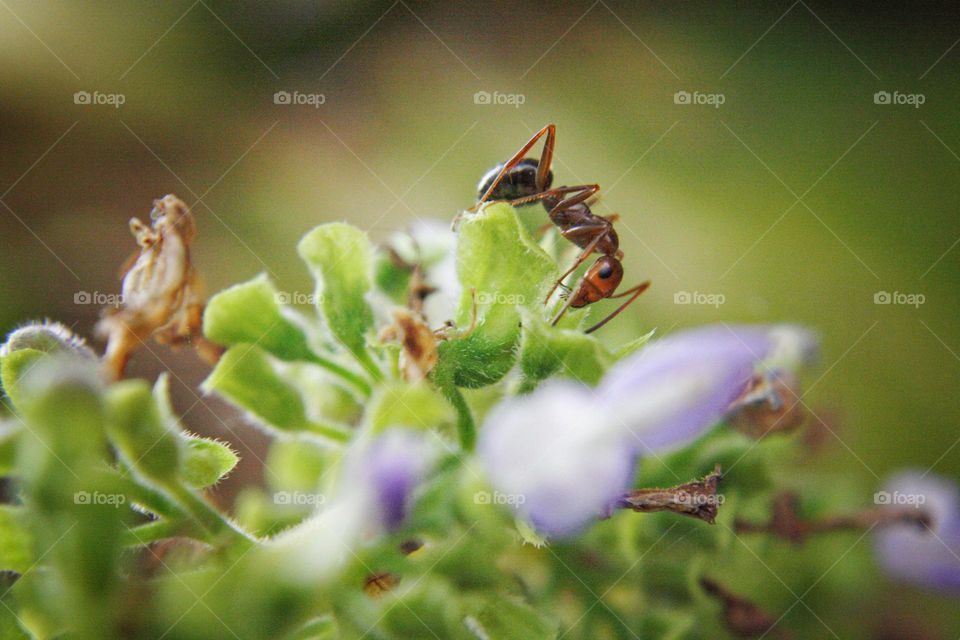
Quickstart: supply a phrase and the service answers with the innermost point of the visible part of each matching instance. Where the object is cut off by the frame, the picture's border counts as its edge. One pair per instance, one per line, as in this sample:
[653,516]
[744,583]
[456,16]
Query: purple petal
[393,466]
[925,557]
[556,457]
[672,391]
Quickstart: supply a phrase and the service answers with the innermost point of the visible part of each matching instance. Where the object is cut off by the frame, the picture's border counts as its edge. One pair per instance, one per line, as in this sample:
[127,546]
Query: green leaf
[502,270]
[547,350]
[416,405]
[322,628]
[9,438]
[625,350]
[502,618]
[250,313]
[13,366]
[340,258]
[137,428]
[16,543]
[391,278]
[296,465]
[246,376]
[206,461]
[48,337]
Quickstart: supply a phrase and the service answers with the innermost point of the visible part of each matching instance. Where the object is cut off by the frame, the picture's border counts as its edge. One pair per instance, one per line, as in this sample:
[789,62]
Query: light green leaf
[16,543]
[246,376]
[206,461]
[415,405]
[13,366]
[251,313]
[9,437]
[547,350]
[137,428]
[502,618]
[340,258]
[502,270]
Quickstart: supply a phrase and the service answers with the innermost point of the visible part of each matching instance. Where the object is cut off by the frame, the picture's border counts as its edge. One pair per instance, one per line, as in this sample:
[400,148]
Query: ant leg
[546,158]
[442,332]
[582,192]
[563,310]
[636,291]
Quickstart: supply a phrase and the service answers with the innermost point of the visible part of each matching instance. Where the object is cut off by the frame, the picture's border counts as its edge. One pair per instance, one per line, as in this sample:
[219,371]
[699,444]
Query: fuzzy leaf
[9,437]
[16,543]
[206,462]
[547,350]
[137,428]
[503,270]
[13,366]
[502,618]
[250,313]
[409,405]
[246,376]
[340,258]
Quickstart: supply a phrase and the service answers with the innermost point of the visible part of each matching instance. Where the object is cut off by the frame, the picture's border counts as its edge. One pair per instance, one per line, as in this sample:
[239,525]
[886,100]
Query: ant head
[600,281]
[519,182]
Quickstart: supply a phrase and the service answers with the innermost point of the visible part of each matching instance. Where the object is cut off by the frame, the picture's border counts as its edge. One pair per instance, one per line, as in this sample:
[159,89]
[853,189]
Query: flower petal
[558,457]
[672,391]
[924,557]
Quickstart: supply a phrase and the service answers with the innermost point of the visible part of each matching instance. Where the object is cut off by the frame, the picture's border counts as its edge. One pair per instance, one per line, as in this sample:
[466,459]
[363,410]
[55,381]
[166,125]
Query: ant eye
[606,271]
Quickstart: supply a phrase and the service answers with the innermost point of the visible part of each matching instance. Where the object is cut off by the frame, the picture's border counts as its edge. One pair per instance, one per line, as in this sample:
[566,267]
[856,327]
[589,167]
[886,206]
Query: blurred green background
[799,199]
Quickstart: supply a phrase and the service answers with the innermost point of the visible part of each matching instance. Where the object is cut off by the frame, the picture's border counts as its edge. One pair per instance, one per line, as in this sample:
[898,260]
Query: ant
[521,180]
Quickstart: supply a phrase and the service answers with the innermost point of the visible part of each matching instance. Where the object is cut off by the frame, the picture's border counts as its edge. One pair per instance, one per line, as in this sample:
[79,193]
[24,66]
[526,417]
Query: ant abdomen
[520,181]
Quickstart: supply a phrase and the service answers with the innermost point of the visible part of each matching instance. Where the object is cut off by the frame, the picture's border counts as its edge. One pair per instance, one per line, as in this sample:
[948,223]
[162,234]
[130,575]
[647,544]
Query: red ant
[521,180]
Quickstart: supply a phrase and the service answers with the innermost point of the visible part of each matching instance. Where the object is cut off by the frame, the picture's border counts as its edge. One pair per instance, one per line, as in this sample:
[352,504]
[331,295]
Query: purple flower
[375,492]
[564,454]
[391,467]
[558,456]
[925,556]
[672,391]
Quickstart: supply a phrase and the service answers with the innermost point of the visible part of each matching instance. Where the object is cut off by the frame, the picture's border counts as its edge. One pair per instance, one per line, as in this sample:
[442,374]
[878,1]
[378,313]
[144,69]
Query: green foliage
[105,470]
[546,352]
[340,258]
[246,376]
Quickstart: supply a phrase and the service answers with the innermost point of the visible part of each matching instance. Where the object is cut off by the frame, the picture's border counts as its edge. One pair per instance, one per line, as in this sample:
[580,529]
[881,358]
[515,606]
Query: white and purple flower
[570,451]
[925,556]
[376,491]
